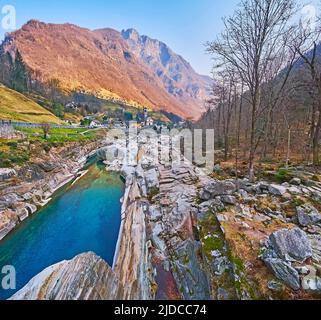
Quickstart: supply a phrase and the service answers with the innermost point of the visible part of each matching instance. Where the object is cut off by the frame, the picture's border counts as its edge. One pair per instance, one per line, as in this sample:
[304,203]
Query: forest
[265,104]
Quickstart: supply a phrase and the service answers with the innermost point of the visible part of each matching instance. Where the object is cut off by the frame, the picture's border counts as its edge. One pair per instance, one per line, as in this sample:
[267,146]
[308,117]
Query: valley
[67,226]
[186,235]
[125,174]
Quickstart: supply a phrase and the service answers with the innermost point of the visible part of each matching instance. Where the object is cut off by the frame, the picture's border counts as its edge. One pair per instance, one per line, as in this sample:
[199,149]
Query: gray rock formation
[284,271]
[217,188]
[291,244]
[229,200]
[6,174]
[178,77]
[308,215]
[284,247]
[277,190]
[86,277]
[35,183]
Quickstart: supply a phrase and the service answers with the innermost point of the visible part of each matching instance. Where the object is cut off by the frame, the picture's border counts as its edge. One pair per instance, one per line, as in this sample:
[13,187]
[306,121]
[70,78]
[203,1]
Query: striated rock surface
[187,236]
[291,244]
[159,254]
[86,277]
[131,262]
[284,271]
[31,186]
[6,174]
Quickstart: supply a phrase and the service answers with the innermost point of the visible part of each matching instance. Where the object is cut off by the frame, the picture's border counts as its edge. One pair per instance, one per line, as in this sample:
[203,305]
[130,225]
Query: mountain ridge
[177,74]
[103,63]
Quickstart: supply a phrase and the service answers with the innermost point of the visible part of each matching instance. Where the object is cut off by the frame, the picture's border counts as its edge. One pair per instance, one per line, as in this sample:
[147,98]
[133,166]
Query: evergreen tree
[19,74]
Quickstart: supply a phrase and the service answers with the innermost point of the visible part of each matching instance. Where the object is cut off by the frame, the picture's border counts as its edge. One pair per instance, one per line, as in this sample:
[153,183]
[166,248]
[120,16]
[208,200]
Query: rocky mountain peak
[130,34]
[177,75]
[133,69]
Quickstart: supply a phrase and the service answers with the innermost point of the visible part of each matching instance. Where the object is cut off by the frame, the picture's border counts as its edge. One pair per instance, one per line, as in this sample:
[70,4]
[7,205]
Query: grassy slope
[16,107]
[17,152]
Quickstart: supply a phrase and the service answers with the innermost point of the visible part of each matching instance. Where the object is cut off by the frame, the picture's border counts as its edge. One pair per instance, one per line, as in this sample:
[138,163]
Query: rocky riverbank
[185,235]
[26,189]
[159,248]
[87,277]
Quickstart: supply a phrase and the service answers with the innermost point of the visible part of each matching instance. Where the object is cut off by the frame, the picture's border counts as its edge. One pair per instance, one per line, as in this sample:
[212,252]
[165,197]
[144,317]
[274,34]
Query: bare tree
[46,129]
[306,45]
[254,36]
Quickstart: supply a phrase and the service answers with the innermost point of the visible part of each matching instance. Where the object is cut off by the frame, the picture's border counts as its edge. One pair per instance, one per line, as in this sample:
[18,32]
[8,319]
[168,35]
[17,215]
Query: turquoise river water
[81,217]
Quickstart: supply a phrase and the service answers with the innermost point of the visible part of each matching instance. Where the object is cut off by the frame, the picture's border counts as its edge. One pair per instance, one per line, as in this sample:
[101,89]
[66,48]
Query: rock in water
[291,244]
[86,277]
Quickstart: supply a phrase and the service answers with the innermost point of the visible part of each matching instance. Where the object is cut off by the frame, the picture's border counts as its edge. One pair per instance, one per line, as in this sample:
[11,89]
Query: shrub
[12,144]
[282,175]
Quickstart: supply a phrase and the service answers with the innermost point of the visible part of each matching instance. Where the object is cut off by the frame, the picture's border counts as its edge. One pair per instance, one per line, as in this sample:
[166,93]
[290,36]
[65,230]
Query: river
[82,217]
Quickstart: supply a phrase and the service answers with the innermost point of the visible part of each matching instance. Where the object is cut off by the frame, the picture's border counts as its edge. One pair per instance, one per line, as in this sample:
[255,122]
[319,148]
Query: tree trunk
[288,149]
[252,138]
[316,141]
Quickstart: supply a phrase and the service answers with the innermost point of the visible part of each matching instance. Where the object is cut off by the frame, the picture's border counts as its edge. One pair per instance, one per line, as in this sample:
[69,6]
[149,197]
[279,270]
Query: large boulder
[296,181]
[217,188]
[152,180]
[291,245]
[111,153]
[308,215]
[6,174]
[277,190]
[86,277]
[284,272]
[311,282]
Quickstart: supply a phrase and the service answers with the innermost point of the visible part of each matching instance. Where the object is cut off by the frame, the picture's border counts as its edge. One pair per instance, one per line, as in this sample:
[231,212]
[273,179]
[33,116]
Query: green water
[82,217]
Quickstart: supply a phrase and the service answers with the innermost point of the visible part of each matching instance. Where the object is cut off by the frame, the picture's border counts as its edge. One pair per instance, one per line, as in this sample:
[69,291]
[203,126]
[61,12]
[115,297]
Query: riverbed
[83,216]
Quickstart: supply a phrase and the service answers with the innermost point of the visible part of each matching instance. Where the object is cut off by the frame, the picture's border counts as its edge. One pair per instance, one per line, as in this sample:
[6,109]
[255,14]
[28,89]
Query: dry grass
[16,107]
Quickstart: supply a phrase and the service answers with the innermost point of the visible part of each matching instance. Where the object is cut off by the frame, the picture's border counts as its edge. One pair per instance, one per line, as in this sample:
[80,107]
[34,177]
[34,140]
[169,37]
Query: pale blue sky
[185,25]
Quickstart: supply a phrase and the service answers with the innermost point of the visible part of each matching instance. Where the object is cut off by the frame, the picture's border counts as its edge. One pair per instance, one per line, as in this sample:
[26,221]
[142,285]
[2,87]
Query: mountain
[15,106]
[105,63]
[176,74]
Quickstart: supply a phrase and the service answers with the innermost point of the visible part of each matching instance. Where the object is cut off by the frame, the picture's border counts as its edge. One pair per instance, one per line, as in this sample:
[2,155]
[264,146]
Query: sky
[184,25]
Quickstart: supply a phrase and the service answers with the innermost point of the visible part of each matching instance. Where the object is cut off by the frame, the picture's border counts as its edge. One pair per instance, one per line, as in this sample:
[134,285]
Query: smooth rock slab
[86,277]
